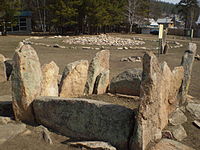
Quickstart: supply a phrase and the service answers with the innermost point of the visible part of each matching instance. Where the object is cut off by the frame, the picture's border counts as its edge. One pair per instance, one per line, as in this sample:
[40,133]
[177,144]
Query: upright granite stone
[187,63]
[74,79]
[127,82]
[50,83]
[159,90]
[102,82]
[86,119]
[26,82]
[99,64]
[3,77]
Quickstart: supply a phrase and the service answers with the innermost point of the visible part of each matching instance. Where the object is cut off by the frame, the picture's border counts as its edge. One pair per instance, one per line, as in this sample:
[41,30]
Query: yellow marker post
[160,37]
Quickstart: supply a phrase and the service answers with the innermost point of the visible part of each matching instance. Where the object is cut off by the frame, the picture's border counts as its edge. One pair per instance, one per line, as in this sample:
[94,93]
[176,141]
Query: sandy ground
[64,56]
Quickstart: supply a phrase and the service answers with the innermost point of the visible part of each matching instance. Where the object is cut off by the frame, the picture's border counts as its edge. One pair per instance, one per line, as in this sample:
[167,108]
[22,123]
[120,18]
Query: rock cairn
[102,39]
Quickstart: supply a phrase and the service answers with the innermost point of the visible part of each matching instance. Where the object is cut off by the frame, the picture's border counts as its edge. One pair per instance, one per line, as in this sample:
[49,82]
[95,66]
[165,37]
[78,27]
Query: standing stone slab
[99,64]
[177,118]
[3,77]
[86,119]
[158,100]
[187,63]
[127,82]
[50,83]
[26,82]
[74,79]
[102,83]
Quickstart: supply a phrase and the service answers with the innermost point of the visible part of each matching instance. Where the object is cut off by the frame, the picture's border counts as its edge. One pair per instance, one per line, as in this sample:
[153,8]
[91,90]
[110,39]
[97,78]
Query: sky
[172,1]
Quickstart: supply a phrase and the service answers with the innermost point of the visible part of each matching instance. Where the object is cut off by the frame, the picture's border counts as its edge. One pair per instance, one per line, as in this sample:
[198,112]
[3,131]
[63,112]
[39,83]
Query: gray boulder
[127,82]
[86,119]
[194,109]
[177,118]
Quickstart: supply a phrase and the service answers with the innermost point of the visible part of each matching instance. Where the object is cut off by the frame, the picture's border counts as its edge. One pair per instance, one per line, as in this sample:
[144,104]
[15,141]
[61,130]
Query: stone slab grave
[86,119]
[159,90]
[26,82]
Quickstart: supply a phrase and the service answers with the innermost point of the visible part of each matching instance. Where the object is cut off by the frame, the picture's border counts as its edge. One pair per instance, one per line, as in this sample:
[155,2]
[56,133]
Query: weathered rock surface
[177,118]
[159,90]
[102,82]
[86,119]
[99,64]
[93,145]
[4,120]
[50,83]
[26,82]
[74,79]
[2,58]
[10,130]
[187,63]
[167,144]
[9,67]
[127,82]
[194,109]
[3,77]
[45,133]
[178,132]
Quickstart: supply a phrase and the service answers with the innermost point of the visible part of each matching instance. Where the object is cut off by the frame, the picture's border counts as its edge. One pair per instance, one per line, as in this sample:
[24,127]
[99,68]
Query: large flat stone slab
[86,119]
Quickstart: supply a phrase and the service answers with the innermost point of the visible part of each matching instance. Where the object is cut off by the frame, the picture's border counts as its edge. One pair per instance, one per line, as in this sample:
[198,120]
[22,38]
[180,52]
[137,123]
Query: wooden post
[160,37]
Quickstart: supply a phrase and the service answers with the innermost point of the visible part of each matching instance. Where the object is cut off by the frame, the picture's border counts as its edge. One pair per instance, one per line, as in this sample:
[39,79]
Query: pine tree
[188,9]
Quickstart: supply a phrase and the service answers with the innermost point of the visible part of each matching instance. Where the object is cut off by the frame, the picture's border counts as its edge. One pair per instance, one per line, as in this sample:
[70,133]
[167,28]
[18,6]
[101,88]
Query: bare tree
[132,14]
[42,13]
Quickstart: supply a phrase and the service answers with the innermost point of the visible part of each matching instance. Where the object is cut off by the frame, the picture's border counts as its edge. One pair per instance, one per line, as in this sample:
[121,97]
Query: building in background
[167,22]
[22,25]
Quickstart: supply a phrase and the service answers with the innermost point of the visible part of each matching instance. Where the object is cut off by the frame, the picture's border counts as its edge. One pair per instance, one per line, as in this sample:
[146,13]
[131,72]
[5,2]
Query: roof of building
[25,14]
[164,20]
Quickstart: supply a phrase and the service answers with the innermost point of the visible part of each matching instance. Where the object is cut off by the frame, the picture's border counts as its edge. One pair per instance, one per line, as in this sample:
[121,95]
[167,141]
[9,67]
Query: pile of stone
[102,39]
[78,78]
